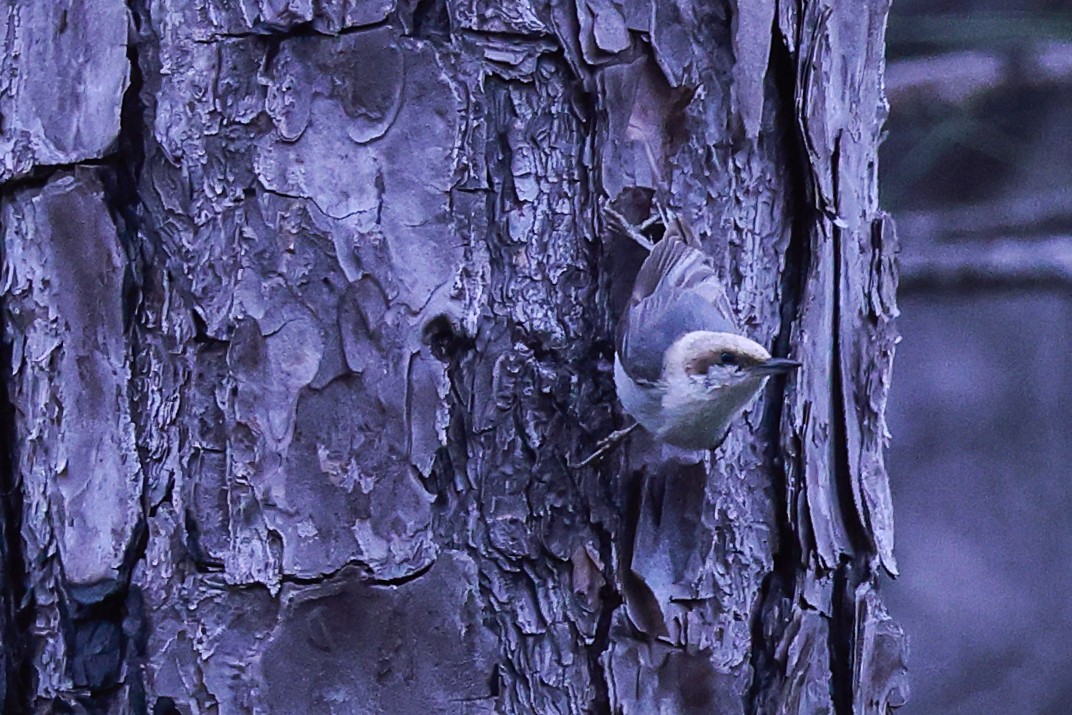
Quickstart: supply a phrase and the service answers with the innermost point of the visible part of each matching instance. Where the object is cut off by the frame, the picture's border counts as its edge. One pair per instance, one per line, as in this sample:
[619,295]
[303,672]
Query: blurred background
[977,170]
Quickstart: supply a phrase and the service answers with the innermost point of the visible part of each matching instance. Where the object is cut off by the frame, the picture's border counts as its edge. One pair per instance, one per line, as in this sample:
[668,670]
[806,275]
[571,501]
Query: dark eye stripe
[703,363]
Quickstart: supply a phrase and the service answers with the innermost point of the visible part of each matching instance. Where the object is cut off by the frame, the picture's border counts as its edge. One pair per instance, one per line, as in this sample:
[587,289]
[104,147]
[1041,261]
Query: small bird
[682,369]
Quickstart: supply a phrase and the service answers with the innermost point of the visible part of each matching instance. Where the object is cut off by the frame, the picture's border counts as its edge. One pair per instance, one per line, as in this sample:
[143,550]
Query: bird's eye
[727,359]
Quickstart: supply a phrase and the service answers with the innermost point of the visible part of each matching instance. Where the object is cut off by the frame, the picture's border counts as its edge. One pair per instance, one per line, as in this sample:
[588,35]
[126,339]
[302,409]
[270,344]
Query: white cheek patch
[720,375]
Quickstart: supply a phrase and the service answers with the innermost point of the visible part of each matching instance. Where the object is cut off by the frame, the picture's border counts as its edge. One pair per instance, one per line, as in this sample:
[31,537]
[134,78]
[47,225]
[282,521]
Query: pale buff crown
[693,352]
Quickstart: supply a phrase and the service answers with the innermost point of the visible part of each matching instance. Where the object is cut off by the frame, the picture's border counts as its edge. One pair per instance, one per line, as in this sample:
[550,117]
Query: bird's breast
[699,419]
[681,412]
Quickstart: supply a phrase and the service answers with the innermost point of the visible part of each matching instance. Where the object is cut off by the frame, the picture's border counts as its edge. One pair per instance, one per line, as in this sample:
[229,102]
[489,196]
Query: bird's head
[716,362]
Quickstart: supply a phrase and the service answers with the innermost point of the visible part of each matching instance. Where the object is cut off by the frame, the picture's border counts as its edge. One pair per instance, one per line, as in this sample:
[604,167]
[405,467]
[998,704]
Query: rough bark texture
[307,304]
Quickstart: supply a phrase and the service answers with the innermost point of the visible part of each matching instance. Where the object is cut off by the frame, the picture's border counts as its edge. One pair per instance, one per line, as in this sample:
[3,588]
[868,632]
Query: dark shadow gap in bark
[278,33]
[794,276]
[860,541]
[609,602]
[770,617]
[842,644]
[92,625]
[116,622]
[119,178]
[840,665]
[18,600]
[850,572]
[431,20]
[40,175]
[343,573]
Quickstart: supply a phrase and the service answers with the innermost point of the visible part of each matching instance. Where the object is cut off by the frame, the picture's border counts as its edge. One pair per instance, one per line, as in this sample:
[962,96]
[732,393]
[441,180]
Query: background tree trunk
[306,305]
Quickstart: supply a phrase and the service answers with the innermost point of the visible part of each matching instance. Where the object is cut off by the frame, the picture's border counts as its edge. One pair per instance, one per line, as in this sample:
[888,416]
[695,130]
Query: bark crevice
[17,600]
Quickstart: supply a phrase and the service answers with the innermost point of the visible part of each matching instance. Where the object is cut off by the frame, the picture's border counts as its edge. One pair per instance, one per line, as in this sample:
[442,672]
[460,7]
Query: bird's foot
[604,446]
[622,225]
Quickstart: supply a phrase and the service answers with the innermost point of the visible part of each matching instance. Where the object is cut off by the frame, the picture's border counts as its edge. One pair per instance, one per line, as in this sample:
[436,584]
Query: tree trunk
[307,306]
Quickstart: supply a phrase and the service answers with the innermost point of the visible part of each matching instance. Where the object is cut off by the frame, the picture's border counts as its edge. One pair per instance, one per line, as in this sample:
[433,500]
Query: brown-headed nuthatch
[681,367]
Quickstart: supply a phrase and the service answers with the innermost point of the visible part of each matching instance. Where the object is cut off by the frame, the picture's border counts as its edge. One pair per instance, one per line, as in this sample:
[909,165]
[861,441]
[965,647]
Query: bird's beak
[776,366]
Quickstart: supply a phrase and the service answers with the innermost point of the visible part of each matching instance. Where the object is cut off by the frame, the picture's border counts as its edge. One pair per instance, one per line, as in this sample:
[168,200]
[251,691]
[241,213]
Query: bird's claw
[604,446]
[622,225]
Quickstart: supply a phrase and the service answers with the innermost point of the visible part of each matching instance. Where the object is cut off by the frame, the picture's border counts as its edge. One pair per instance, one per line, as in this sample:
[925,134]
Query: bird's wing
[676,292]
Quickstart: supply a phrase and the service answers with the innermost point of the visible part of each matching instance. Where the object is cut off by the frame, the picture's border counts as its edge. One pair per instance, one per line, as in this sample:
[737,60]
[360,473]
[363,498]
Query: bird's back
[676,292]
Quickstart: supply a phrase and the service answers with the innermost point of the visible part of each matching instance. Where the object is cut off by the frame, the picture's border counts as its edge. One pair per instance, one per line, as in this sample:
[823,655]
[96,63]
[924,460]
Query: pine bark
[308,307]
